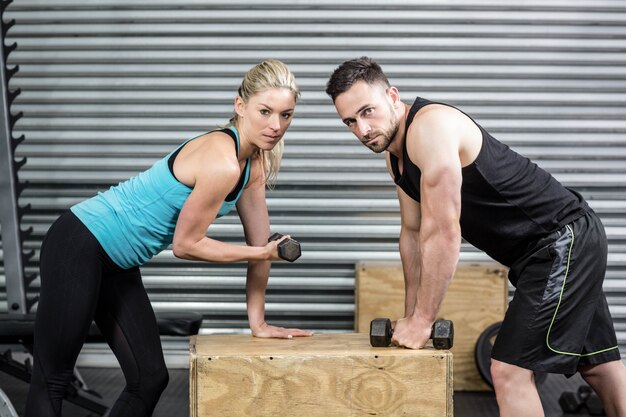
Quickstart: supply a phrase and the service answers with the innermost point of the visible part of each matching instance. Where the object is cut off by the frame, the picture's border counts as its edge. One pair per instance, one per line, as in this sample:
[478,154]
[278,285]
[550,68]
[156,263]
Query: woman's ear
[239,106]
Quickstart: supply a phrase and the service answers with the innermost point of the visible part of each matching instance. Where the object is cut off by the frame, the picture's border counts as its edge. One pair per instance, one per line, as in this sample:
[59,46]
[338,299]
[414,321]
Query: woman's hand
[272,249]
[266,330]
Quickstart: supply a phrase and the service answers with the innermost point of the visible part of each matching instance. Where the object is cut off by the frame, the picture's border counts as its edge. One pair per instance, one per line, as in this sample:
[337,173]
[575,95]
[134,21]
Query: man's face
[368,112]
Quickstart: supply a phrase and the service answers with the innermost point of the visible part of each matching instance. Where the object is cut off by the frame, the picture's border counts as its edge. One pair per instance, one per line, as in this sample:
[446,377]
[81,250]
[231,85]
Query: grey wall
[109,87]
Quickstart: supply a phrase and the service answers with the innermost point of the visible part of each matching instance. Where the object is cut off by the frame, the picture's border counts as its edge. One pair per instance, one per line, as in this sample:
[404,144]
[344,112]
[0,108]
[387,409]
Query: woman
[91,255]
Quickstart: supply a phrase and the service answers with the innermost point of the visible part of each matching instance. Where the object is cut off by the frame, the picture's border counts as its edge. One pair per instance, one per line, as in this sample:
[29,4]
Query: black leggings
[79,284]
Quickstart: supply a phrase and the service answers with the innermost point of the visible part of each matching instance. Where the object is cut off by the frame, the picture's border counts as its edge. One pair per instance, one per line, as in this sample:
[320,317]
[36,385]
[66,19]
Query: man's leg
[602,368]
[608,380]
[516,391]
[548,325]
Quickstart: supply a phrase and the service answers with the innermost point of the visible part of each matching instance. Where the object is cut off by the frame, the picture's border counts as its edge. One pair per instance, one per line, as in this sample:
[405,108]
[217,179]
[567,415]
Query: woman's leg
[70,280]
[126,319]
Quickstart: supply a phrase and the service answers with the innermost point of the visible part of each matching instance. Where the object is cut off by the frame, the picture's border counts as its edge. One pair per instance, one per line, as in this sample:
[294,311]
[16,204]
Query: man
[454,179]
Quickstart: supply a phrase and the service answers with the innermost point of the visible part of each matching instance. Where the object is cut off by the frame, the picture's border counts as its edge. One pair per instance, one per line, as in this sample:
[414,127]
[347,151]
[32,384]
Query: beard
[385,136]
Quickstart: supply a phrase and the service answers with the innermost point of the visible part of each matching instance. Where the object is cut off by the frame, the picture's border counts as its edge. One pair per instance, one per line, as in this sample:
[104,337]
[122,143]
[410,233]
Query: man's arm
[433,145]
[409,249]
[409,244]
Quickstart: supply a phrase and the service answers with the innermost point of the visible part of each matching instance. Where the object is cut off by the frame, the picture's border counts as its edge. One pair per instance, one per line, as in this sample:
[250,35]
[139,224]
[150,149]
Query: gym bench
[18,330]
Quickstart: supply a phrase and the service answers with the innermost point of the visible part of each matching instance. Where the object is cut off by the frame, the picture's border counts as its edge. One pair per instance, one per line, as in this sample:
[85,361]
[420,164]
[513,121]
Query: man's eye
[368,111]
[349,123]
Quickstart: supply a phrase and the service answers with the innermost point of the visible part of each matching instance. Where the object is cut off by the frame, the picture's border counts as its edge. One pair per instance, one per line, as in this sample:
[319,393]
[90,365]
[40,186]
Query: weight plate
[482,354]
[6,408]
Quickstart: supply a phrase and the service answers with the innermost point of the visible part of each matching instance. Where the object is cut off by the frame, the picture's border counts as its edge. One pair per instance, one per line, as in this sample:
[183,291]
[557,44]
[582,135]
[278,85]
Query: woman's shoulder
[216,142]
[211,154]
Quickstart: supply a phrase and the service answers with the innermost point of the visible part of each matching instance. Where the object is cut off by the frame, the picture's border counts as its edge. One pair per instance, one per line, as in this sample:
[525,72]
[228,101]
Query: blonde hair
[268,74]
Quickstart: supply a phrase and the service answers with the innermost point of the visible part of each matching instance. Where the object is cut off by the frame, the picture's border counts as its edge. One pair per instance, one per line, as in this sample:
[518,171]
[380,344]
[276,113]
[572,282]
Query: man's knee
[602,370]
[505,375]
[500,373]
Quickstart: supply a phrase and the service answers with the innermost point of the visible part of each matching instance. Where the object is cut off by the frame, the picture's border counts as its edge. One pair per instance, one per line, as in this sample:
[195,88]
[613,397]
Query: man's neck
[397,143]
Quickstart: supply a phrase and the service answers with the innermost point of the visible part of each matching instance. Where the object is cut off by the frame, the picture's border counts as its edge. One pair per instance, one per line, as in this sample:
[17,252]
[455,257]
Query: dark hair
[348,73]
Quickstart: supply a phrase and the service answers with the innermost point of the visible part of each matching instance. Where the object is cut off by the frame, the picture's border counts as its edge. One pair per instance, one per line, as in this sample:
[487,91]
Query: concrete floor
[175,400]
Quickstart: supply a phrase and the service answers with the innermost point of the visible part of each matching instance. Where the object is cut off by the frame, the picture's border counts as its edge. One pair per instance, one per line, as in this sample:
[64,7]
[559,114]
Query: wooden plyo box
[324,375]
[476,298]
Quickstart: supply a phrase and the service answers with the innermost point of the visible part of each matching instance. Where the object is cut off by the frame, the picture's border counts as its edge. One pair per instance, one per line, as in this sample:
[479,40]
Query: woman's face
[266,117]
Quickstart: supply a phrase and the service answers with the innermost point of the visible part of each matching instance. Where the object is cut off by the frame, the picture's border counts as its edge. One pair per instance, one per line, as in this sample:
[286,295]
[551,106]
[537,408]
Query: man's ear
[394,95]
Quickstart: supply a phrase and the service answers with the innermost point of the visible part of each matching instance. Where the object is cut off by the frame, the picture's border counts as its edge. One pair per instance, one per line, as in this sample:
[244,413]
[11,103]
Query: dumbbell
[572,402]
[583,398]
[288,249]
[442,333]
[594,405]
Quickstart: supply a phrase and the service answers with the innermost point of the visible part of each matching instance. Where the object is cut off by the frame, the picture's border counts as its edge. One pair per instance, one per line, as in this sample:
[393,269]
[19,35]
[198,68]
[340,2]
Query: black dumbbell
[572,402]
[584,397]
[442,333]
[288,249]
[594,405]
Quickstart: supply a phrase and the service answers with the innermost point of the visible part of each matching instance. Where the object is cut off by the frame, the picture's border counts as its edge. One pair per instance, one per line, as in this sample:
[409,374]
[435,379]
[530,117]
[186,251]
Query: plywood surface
[324,375]
[476,298]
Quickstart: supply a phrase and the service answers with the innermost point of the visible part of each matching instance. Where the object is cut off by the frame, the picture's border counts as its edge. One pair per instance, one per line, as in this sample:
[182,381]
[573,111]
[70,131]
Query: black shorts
[559,319]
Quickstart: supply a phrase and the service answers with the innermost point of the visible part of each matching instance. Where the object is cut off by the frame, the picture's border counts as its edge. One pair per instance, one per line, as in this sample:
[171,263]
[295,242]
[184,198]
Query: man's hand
[411,332]
[266,330]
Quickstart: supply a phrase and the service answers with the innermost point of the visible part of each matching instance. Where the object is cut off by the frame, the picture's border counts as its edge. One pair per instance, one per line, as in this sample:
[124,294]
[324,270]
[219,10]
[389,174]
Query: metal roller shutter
[110,86]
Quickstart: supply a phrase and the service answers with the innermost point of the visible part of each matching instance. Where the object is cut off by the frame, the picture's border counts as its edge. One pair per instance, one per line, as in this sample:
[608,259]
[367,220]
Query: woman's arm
[252,209]
[214,172]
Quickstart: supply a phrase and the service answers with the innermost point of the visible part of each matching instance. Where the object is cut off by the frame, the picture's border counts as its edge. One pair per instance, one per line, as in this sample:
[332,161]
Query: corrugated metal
[110,86]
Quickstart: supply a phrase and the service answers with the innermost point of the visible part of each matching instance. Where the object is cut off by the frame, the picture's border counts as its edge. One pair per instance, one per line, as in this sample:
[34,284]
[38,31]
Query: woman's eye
[286,116]
[265,112]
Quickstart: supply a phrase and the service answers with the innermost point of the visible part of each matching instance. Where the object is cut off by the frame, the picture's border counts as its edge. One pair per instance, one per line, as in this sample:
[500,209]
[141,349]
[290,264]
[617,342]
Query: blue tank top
[136,219]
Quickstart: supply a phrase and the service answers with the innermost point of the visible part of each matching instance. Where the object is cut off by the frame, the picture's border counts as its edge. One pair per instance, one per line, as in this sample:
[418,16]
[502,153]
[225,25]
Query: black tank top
[507,201]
